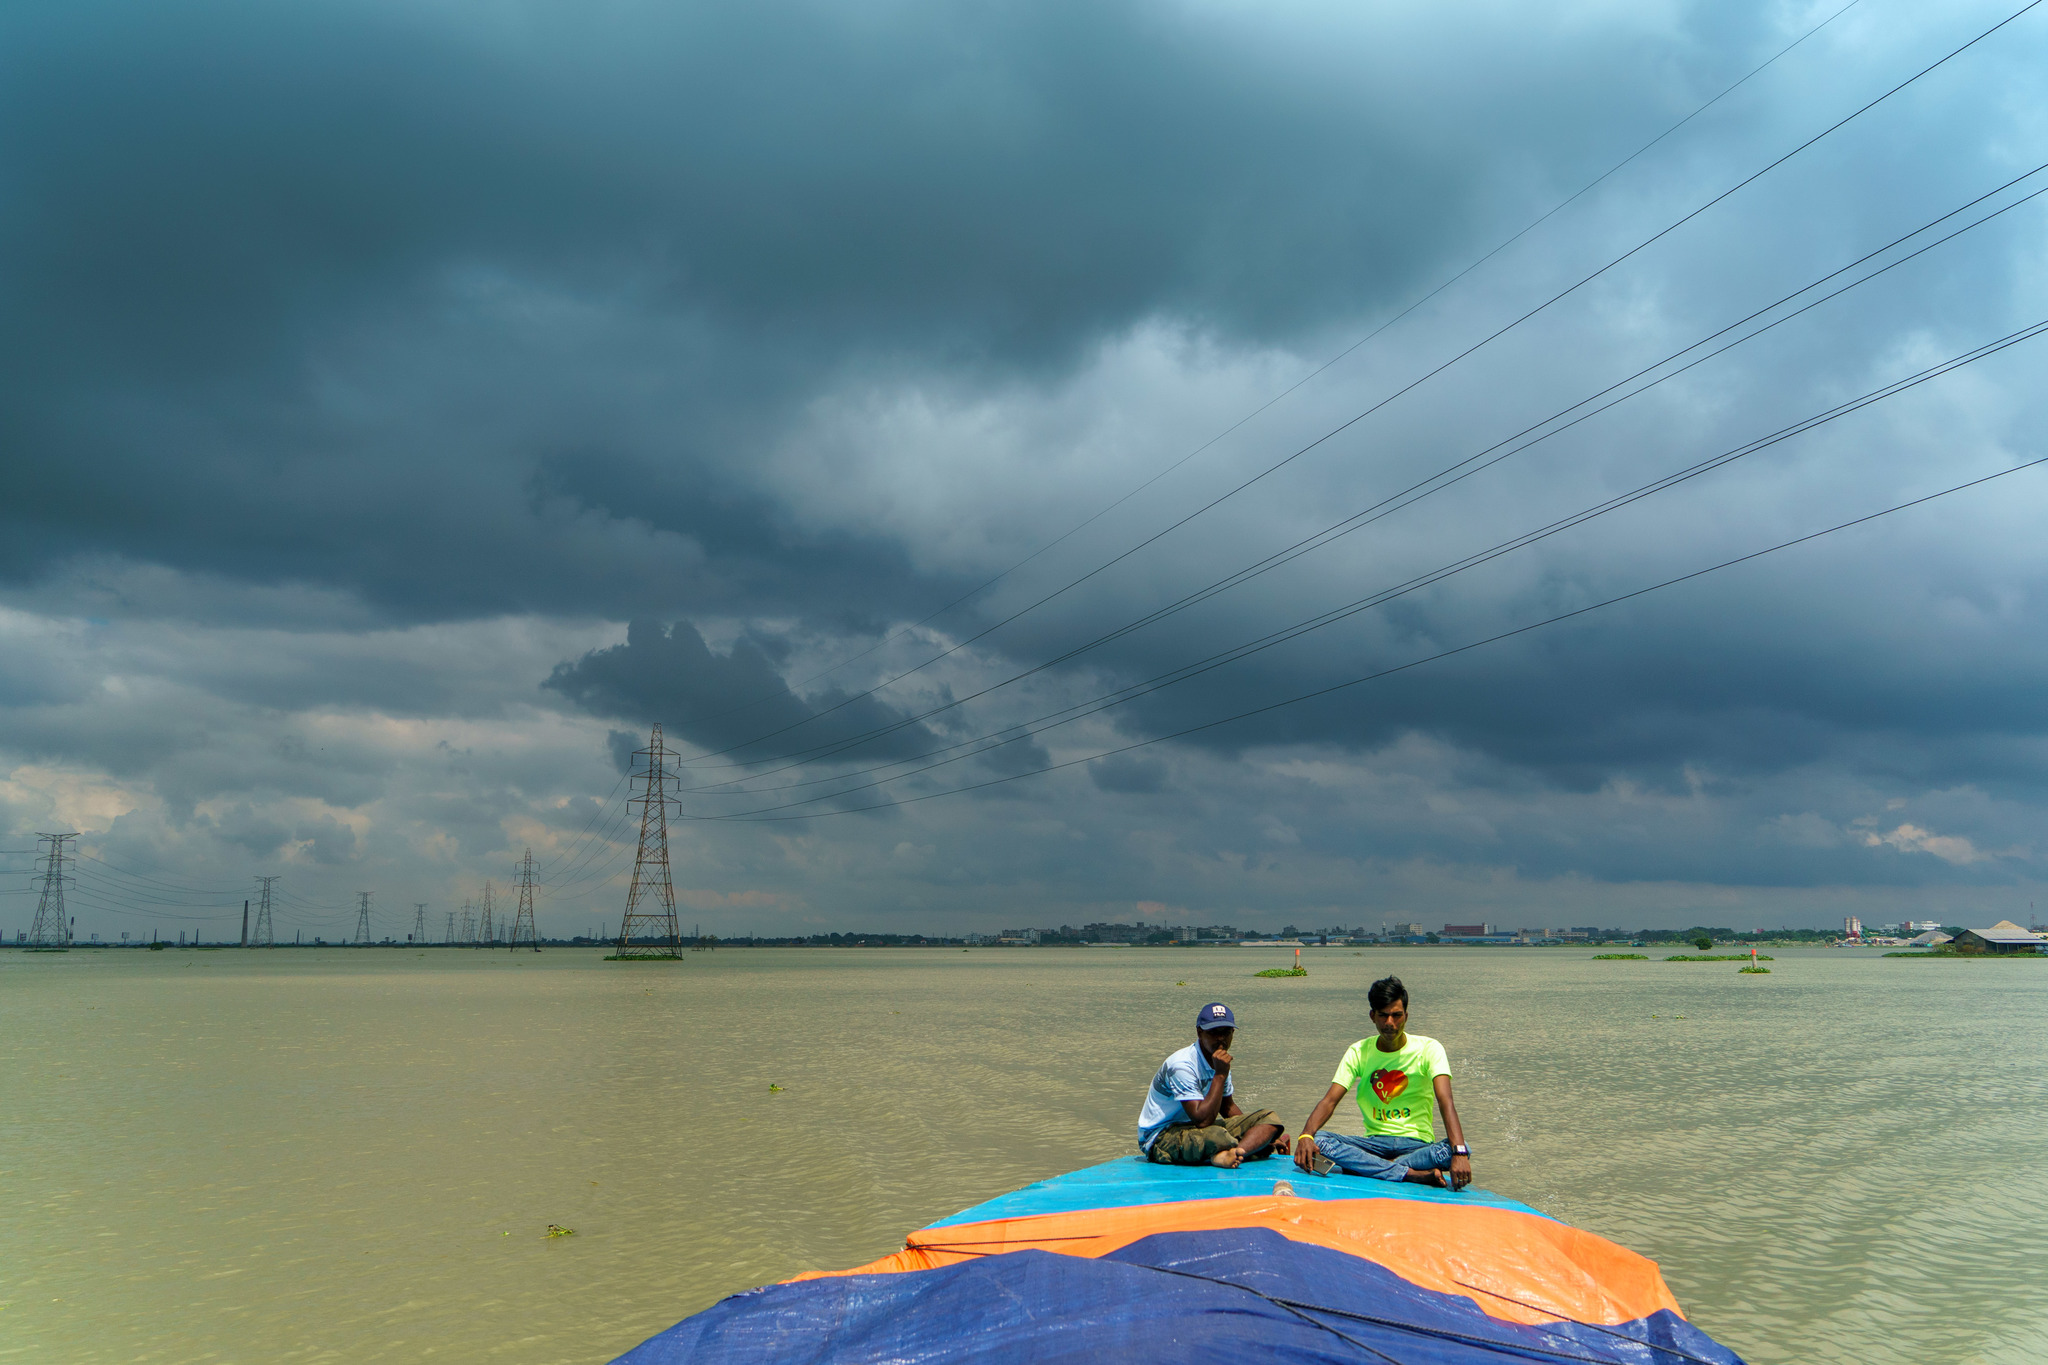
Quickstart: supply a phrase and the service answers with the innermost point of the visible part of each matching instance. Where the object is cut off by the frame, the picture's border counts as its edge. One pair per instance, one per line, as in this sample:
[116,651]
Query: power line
[656,925]
[547,863]
[264,937]
[1025,730]
[52,927]
[790,688]
[1346,425]
[1416,492]
[1428,659]
[523,930]
[117,870]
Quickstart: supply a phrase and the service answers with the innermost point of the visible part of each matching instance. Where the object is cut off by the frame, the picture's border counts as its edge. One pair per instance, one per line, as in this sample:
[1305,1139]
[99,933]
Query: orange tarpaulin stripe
[1513,1265]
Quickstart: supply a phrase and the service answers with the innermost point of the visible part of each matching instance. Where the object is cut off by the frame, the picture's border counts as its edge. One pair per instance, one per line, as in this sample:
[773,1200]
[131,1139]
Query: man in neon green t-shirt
[1401,1079]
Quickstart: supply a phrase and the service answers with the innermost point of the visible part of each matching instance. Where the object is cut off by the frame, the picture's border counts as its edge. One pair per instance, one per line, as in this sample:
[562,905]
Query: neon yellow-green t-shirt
[1396,1090]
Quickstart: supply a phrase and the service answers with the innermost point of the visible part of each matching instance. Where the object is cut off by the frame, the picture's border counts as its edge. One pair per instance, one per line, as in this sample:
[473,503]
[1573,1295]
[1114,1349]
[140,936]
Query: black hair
[1385,992]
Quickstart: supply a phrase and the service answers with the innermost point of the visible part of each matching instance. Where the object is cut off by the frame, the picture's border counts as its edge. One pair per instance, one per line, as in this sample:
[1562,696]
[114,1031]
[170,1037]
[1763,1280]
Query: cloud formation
[409,405]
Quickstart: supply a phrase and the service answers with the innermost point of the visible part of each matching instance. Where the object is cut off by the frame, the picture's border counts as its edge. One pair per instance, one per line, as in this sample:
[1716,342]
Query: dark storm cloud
[735,702]
[229,225]
[336,333]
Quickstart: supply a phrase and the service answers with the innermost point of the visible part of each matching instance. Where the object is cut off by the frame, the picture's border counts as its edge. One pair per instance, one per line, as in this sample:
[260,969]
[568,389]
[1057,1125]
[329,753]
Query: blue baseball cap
[1217,1015]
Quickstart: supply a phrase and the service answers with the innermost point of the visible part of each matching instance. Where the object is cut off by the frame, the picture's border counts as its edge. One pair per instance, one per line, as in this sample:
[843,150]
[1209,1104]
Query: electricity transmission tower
[362,918]
[656,922]
[265,936]
[468,923]
[449,937]
[419,921]
[484,932]
[522,923]
[52,928]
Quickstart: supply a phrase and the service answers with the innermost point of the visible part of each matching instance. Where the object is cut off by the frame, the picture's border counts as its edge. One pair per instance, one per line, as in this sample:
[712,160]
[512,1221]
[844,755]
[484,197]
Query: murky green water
[309,1156]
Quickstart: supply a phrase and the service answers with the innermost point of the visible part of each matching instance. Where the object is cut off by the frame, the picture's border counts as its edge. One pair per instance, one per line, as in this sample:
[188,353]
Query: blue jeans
[1383,1157]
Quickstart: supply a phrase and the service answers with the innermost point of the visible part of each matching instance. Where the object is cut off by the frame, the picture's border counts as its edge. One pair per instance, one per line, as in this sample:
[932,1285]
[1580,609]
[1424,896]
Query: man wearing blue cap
[1189,1118]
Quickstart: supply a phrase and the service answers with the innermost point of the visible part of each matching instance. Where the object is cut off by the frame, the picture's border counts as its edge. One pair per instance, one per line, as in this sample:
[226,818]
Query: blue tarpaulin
[1233,1295]
[1134,1180]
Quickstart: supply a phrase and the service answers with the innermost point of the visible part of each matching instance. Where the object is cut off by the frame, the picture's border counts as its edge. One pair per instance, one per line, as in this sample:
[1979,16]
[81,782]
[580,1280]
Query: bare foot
[1428,1178]
[1228,1158]
[1284,1145]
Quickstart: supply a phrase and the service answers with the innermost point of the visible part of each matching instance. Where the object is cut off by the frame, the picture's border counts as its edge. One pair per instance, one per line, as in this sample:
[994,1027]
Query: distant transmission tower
[468,923]
[419,921]
[484,932]
[362,918]
[449,937]
[522,923]
[656,923]
[52,928]
[264,936]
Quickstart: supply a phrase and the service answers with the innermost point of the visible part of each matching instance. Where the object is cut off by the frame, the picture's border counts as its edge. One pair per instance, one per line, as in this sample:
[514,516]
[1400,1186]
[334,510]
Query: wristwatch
[1462,1150]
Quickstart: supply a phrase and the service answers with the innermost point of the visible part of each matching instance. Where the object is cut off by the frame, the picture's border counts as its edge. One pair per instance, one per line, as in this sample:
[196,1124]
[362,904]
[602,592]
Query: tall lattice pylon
[468,924]
[419,921]
[523,932]
[448,935]
[362,918]
[651,900]
[264,935]
[484,932]
[52,928]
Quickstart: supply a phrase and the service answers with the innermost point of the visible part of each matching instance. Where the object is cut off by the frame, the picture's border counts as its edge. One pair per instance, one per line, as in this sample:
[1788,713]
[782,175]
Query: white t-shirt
[1183,1076]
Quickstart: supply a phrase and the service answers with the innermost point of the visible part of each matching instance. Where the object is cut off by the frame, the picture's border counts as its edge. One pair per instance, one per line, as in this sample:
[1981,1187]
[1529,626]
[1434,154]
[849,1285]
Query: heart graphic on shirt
[1387,1084]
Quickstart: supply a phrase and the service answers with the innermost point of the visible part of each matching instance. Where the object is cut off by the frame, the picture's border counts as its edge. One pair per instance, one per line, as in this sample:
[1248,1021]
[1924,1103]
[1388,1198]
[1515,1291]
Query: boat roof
[1130,1181]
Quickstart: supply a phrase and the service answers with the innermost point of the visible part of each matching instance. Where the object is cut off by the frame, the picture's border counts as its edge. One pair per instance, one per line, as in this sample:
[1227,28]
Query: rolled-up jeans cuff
[1435,1157]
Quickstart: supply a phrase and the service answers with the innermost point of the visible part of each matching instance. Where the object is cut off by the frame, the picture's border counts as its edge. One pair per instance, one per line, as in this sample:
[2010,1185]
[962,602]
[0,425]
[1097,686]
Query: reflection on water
[354,1155]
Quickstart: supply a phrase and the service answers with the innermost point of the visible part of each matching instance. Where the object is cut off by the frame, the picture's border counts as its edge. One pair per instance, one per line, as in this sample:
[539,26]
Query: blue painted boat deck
[1132,1180]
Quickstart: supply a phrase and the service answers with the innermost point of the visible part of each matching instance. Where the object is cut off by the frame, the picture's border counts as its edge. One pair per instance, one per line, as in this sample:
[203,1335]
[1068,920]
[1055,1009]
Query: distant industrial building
[1468,930]
[2002,937]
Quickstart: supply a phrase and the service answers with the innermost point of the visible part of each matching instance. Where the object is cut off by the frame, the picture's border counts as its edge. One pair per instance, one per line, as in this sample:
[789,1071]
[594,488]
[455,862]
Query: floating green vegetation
[774,1089]
[557,1230]
[1621,957]
[1283,971]
[1719,957]
[1761,971]
[637,957]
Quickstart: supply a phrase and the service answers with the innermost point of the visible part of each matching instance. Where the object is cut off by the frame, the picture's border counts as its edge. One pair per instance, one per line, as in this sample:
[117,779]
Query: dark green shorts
[1186,1145]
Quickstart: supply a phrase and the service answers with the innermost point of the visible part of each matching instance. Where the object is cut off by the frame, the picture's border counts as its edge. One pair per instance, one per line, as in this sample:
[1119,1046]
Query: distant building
[1852,927]
[2002,937]
[1467,930]
[1406,930]
[1920,926]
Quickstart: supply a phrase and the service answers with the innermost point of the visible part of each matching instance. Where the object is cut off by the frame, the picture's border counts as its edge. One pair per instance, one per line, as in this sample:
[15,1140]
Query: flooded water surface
[329,1155]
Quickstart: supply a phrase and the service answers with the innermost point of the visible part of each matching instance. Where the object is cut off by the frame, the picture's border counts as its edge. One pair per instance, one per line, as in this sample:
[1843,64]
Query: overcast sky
[406,405]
